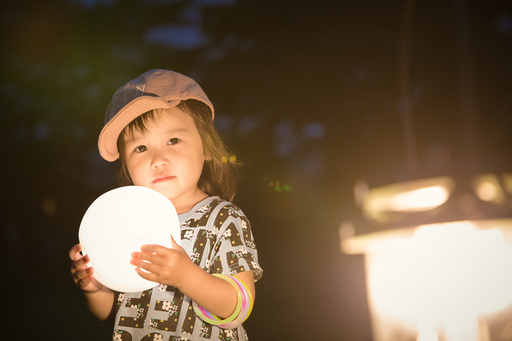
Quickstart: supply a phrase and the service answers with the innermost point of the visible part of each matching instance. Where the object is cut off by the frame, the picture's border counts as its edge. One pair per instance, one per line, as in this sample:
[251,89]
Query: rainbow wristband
[246,306]
[215,320]
[244,313]
[250,298]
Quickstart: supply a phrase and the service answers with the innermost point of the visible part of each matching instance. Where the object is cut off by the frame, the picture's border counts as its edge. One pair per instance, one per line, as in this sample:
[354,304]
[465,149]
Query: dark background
[307,95]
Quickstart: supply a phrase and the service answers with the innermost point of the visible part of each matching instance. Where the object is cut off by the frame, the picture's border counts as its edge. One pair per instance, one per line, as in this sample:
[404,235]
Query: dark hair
[220,174]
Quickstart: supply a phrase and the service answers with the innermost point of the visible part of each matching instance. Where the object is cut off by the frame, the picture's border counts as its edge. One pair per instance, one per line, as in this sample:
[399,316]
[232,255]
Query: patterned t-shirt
[218,238]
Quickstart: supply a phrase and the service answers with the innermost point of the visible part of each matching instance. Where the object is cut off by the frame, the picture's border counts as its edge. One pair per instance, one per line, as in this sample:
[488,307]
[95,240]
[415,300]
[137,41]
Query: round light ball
[118,223]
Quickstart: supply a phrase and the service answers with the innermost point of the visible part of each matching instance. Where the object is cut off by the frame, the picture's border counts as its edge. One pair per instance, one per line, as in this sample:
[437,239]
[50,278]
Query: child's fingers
[84,282]
[160,249]
[147,257]
[74,252]
[80,275]
[146,265]
[147,275]
[154,248]
[82,262]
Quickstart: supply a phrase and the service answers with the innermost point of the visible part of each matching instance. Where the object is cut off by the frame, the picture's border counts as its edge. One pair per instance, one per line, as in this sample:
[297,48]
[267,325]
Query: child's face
[168,158]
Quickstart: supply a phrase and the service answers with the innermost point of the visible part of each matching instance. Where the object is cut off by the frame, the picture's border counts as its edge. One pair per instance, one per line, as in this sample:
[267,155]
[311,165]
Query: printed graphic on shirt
[170,307]
[218,238]
[138,307]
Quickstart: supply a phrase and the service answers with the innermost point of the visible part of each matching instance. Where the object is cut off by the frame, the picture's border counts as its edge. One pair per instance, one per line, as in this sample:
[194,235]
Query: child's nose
[159,159]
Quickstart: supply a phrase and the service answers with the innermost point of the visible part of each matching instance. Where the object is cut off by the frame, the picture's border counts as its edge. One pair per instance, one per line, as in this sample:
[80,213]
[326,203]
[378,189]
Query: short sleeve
[234,250]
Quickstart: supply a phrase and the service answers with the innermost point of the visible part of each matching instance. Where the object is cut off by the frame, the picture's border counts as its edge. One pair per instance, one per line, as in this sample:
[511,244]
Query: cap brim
[107,142]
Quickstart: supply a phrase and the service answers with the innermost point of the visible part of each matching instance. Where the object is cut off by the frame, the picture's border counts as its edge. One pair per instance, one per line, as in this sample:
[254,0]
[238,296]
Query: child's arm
[100,299]
[174,267]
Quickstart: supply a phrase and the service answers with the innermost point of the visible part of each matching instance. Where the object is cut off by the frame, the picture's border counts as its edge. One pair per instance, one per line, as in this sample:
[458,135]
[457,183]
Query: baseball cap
[154,89]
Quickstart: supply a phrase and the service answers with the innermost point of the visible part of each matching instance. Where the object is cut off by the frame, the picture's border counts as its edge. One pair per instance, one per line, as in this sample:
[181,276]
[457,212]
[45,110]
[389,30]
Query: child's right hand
[81,273]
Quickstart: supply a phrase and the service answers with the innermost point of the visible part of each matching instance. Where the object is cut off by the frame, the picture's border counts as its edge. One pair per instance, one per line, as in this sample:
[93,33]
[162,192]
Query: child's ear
[207,157]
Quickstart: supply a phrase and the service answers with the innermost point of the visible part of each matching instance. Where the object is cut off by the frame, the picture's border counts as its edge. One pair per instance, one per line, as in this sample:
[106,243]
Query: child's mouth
[163,178]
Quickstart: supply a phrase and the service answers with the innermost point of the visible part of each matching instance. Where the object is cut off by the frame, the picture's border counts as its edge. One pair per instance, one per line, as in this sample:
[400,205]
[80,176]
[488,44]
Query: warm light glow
[488,188]
[427,335]
[419,195]
[433,278]
[486,191]
[376,242]
[419,199]
[446,273]
[117,224]
[507,182]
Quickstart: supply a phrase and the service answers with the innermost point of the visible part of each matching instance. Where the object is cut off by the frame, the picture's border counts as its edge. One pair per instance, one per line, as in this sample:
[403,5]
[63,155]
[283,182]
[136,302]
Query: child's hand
[160,264]
[83,275]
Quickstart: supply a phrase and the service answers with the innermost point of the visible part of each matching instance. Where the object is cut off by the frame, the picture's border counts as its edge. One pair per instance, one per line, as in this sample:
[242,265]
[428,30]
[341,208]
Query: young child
[160,126]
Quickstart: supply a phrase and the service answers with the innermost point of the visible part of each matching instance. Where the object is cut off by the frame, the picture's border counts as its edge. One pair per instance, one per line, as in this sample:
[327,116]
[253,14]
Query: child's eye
[140,149]
[173,141]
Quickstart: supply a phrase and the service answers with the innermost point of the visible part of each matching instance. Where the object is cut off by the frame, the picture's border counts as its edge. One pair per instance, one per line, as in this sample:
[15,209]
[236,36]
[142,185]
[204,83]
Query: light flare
[444,271]
[412,196]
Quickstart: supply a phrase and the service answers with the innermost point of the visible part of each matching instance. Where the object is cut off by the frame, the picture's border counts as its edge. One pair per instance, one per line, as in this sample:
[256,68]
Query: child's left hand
[160,264]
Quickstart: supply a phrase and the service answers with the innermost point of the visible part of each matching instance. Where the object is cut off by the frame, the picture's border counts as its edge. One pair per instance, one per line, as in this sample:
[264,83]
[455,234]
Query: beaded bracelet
[245,302]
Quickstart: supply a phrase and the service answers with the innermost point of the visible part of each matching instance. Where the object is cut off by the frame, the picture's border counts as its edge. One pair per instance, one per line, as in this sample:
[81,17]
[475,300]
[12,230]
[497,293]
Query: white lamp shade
[118,223]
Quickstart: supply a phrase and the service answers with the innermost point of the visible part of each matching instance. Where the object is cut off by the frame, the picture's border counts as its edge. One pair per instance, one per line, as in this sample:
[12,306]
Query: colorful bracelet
[246,306]
[245,302]
[250,298]
[243,311]
[215,320]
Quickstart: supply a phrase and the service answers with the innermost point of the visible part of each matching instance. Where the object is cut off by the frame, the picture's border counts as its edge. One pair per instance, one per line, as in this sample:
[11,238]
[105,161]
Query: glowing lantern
[118,223]
[438,256]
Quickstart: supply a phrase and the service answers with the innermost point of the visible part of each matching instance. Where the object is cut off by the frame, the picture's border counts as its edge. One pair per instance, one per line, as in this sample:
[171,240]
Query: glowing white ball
[118,223]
